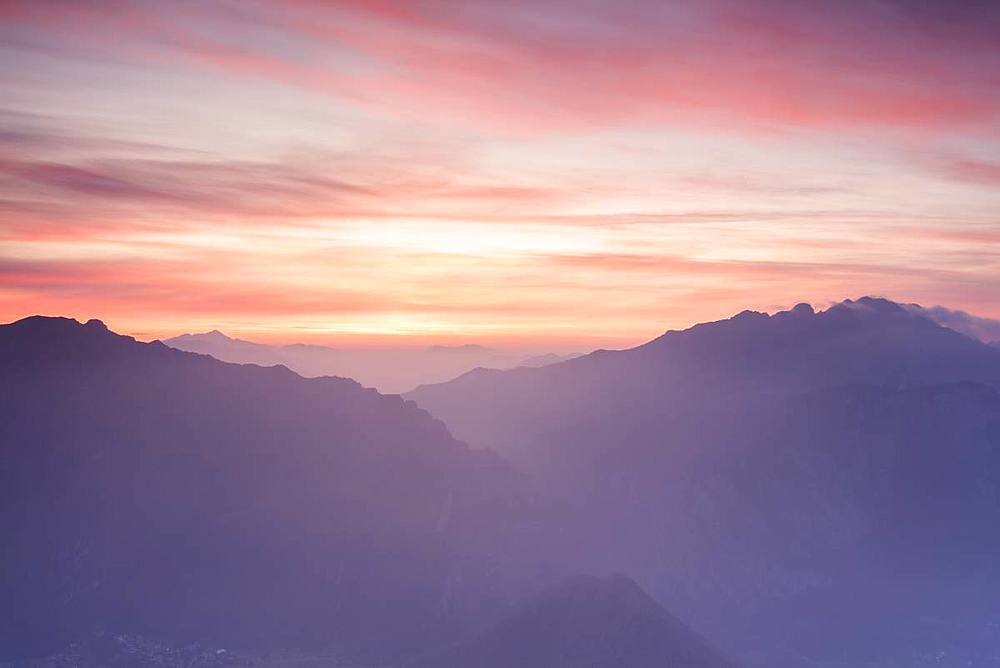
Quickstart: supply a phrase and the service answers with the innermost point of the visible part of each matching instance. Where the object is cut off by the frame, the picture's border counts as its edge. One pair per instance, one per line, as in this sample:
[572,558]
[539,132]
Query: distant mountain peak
[879,305]
[213,335]
[461,348]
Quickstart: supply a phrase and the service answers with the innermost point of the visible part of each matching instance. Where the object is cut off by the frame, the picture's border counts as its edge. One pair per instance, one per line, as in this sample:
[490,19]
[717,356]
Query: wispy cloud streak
[500,169]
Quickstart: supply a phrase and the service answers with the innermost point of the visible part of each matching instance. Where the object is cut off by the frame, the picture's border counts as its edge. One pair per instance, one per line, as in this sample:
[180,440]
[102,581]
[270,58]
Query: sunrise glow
[445,171]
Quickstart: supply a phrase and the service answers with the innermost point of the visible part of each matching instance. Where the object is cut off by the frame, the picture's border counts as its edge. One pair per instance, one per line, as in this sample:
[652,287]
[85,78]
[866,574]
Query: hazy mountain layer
[390,370]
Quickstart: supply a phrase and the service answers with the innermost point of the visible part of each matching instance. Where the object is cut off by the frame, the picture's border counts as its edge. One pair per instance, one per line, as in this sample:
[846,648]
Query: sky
[558,174]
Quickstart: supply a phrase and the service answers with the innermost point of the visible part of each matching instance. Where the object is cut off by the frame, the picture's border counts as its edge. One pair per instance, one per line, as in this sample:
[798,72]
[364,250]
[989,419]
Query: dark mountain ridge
[149,490]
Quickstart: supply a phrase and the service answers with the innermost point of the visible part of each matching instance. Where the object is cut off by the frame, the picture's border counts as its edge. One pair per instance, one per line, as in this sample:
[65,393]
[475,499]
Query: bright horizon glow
[435,172]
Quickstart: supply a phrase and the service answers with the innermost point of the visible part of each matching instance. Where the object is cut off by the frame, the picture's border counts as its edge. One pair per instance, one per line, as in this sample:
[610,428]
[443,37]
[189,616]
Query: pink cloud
[976,171]
[826,66]
[812,65]
[531,111]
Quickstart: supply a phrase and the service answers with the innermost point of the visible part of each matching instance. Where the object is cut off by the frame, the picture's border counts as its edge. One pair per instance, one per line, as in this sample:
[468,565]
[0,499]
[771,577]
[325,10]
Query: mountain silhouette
[584,621]
[150,491]
[802,486]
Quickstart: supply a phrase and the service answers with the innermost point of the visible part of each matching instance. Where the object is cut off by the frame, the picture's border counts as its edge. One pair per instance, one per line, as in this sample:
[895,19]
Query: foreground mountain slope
[585,621]
[798,485]
[152,491]
[581,621]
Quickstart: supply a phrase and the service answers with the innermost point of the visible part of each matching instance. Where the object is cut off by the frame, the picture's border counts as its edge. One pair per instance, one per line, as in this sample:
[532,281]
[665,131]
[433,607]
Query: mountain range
[803,488]
[389,370]
[158,503]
